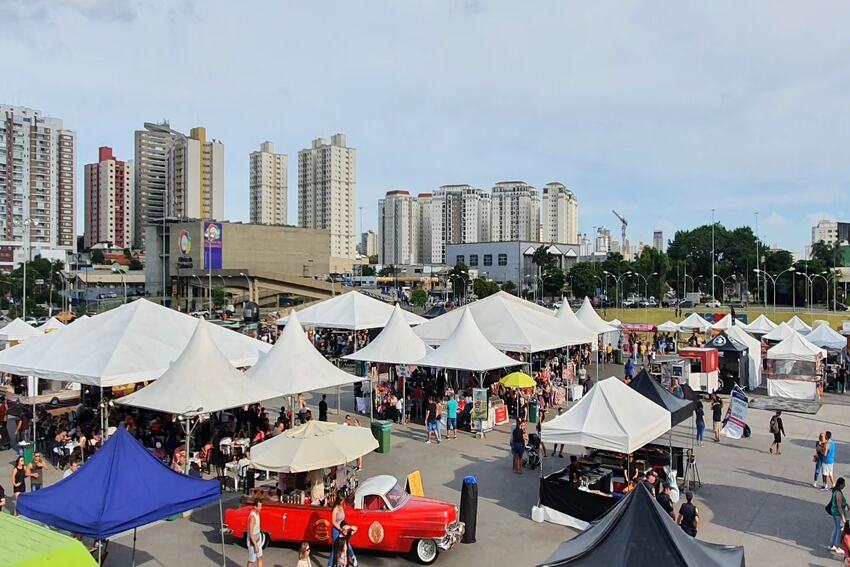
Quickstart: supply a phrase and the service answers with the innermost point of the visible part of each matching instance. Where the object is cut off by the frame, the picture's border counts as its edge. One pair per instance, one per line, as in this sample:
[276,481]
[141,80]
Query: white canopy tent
[509,324]
[760,325]
[780,333]
[826,337]
[591,319]
[467,349]
[351,310]
[724,324]
[572,322]
[694,322]
[799,325]
[294,366]
[52,324]
[794,368]
[611,416]
[312,446]
[395,344]
[18,330]
[753,353]
[668,327]
[616,323]
[135,342]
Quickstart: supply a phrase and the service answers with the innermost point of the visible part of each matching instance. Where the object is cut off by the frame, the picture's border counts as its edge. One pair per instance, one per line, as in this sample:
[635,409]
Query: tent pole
[99,552]
[221,531]
[371,396]
[291,413]
[338,401]
[34,418]
[134,547]
[403,398]
[188,438]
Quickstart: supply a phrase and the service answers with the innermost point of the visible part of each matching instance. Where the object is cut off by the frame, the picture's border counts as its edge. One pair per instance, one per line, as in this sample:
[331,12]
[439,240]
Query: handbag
[828,506]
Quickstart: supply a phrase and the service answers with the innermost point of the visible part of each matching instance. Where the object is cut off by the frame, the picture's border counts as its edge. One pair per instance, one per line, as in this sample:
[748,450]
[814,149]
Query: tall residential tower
[560,214]
[108,201]
[514,212]
[268,186]
[152,203]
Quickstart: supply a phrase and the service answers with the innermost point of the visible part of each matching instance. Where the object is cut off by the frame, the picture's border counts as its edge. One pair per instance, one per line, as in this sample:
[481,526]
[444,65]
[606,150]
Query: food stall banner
[737,417]
[480,405]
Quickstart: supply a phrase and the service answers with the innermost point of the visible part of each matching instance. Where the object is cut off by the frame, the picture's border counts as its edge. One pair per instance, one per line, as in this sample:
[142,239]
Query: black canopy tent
[734,364]
[680,409]
[637,532]
[435,311]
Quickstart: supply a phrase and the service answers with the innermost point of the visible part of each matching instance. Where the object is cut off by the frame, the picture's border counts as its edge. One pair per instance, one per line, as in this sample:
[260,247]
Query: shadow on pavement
[774,478]
[120,554]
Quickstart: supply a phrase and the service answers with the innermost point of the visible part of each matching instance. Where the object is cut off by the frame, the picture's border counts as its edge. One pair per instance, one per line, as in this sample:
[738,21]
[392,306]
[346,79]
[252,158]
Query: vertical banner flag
[212,245]
[736,419]
[480,404]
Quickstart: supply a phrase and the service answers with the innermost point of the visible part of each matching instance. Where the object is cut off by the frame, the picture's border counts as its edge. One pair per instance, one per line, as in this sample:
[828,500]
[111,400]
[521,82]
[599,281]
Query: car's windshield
[396,497]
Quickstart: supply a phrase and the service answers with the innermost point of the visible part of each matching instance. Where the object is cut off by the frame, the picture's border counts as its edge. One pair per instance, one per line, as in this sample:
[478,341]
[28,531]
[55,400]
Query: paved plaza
[748,497]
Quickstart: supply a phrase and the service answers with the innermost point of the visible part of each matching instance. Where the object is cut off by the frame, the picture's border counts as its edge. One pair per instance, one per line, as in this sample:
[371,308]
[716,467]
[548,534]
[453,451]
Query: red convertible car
[387,519]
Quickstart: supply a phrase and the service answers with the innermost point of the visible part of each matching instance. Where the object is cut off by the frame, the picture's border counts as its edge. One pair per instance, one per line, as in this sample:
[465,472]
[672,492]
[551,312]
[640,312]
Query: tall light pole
[758,264]
[645,290]
[822,275]
[773,280]
[120,273]
[26,223]
[250,295]
[724,282]
[200,285]
[712,255]
[618,280]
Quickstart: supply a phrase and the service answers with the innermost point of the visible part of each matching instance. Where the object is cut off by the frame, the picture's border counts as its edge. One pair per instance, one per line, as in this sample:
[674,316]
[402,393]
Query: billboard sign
[212,245]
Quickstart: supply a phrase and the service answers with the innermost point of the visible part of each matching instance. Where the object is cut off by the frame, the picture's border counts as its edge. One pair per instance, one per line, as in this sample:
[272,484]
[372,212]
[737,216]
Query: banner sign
[212,245]
[480,404]
[638,327]
[736,418]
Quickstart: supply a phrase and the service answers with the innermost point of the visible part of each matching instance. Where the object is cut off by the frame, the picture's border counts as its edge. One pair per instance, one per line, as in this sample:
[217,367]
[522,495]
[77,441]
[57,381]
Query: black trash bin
[469,508]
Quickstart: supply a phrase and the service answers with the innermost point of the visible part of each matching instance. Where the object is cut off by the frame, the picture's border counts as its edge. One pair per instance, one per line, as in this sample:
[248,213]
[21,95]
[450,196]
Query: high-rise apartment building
[423,246]
[831,232]
[195,177]
[268,186]
[327,192]
[368,243]
[514,212]
[560,214]
[108,206]
[152,202]
[658,240]
[398,228]
[38,159]
[459,214]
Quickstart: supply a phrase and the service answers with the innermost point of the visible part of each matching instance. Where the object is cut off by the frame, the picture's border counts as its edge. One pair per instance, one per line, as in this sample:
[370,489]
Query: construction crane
[623,224]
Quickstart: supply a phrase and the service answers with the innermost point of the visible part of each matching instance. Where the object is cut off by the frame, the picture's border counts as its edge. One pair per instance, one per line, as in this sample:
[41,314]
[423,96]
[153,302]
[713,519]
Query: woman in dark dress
[19,477]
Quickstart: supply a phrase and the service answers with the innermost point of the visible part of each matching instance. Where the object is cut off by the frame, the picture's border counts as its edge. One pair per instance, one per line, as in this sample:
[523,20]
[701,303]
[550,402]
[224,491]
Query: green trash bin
[532,411]
[381,430]
[618,356]
[29,451]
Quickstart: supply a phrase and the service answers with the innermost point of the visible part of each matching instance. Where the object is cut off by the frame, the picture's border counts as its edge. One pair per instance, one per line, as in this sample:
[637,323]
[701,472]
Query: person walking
[820,454]
[35,471]
[255,535]
[341,530]
[688,516]
[518,439]
[778,431]
[716,415]
[19,480]
[431,425]
[700,421]
[451,418]
[323,408]
[838,510]
[828,462]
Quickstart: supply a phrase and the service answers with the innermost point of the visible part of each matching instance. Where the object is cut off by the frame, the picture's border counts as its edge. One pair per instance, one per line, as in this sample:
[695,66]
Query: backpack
[828,506]
[774,425]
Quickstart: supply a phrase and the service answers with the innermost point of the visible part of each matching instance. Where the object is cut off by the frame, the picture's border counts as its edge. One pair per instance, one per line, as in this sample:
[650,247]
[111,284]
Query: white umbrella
[314,445]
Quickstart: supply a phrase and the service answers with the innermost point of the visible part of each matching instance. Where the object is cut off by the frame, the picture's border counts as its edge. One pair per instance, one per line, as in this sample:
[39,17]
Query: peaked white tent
[794,368]
[591,319]
[826,337]
[753,353]
[694,322]
[611,416]
[135,342]
[799,325]
[18,330]
[725,323]
[52,324]
[395,344]
[616,323]
[668,327]
[760,325]
[294,366]
[780,333]
[572,322]
[351,310]
[509,324]
[467,349]
[201,380]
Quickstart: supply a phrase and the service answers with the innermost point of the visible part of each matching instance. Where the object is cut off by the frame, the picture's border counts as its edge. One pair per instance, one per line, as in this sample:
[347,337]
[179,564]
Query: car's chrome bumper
[454,532]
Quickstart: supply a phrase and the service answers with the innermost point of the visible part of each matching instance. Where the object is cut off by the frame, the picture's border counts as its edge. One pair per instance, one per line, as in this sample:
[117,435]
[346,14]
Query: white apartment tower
[423,247]
[268,186]
[368,243]
[398,228]
[151,201]
[459,214]
[658,240]
[560,214]
[108,201]
[38,160]
[327,192]
[514,212]
[195,177]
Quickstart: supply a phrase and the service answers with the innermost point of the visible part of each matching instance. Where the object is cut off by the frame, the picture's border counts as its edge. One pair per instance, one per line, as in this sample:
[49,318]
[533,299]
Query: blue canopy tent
[121,487]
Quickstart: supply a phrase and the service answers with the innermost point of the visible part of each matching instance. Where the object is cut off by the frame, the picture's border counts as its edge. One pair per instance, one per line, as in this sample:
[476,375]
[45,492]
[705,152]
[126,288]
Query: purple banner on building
[212,245]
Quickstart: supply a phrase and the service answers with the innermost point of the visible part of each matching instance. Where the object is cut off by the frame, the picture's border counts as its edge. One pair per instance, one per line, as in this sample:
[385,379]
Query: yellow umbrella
[518,380]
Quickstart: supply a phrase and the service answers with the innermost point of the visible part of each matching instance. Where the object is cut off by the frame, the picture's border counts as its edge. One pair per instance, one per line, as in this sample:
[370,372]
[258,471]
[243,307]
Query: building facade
[327,192]
[398,228]
[151,200]
[560,214]
[195,176]
[38,159]
[459,214]
[268,186]
[514,212]
[831,232]
[423,244]
[108,201]
[368,243]
[658,240]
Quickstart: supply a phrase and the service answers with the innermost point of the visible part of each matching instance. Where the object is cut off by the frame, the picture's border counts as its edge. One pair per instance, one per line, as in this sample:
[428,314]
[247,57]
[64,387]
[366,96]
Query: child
[304,556]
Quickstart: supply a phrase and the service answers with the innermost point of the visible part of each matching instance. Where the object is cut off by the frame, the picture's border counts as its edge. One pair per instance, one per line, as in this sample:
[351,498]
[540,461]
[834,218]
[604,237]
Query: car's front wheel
[425,551]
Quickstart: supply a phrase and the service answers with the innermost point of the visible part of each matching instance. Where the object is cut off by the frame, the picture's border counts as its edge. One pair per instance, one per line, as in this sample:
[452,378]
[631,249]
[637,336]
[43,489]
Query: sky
[662,111]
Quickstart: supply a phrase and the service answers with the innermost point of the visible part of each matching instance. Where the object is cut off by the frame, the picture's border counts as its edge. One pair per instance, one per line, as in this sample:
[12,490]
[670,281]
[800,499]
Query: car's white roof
[380,484]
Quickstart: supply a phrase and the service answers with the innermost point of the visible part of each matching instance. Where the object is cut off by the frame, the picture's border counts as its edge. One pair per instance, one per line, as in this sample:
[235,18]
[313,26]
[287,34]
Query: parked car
[840,307]
[630,303]
[686,304]
[388,520]
[668,302]
[648,302]
[712,304]
[200,314]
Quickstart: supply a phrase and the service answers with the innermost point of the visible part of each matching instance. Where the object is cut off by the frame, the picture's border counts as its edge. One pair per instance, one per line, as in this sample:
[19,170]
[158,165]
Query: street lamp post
[823,276]
[773,280]
[645,290]
[250,295]
[724,282]
[618,280]
[200,285]
[26,223]
[123,282]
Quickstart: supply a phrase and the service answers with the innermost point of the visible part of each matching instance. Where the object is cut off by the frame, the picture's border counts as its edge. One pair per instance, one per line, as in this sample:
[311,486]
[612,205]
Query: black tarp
[435,311]
[637,532]
[557,493]
[680,409]
[734,362]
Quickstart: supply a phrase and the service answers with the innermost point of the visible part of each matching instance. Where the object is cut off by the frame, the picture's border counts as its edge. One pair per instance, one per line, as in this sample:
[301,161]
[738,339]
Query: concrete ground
[748,497]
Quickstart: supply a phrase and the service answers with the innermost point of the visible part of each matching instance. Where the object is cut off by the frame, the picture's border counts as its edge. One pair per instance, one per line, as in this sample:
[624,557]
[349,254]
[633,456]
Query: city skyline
[642,126]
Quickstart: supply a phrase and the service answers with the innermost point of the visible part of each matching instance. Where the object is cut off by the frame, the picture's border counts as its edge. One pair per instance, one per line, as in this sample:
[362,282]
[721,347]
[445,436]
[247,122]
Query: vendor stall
[703,375]
[733,362]
[794,368]
[835,344]
[753,354]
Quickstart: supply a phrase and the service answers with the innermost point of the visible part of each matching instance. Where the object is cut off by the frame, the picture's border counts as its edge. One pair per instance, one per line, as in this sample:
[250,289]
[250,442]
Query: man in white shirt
[71,469]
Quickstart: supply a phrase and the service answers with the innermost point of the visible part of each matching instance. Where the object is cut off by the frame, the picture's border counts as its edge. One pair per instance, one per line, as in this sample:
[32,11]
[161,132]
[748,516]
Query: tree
[649,262]
[553,281]
[387,271]
[482,287]
[542,259]
[829,254]
[135,264]
[367,271]
[584,280]
[459,278]
[419,297]
[373,259]
[97,256]
[509,287]
[219,296]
